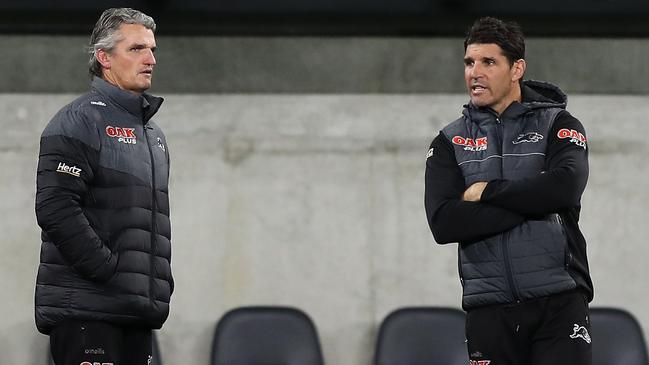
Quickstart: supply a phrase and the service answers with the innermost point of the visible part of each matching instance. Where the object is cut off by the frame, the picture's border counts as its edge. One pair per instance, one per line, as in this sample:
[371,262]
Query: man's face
[129,65]
[490,79]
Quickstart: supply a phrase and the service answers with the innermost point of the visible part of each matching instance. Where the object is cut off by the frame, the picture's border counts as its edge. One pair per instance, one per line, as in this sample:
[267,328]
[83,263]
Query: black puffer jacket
[102,203]
[522,240]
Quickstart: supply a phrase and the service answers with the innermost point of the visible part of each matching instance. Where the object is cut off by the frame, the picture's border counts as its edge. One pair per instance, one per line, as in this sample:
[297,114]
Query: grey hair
[106,34]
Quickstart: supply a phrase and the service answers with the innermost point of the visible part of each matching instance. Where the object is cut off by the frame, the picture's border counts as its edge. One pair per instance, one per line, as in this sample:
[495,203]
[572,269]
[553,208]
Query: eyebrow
[141,45]
[469,59]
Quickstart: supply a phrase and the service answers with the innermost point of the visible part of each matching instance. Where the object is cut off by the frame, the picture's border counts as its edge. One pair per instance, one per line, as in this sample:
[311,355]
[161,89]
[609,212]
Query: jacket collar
[534,94]
[142,106]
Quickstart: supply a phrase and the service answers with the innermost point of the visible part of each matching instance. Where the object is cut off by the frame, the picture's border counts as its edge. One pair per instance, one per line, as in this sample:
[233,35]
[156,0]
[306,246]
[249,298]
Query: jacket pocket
[459,265]
[567,254]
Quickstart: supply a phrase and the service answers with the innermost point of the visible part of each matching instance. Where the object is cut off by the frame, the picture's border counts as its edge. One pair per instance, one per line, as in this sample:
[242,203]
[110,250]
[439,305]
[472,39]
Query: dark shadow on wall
[581,18]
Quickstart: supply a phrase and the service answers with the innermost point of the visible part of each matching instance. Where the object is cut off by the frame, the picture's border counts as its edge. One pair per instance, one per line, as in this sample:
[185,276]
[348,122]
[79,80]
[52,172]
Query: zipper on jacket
[499,134]
[568,254]
[508,267]
[505,237]
[459,265]
[154,209]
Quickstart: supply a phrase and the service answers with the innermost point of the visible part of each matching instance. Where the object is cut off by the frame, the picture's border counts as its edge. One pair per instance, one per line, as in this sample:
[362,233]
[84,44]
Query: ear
[518,70]
[103,57]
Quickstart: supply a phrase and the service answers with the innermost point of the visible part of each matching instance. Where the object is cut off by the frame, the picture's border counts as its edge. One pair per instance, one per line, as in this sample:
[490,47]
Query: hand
[474,192]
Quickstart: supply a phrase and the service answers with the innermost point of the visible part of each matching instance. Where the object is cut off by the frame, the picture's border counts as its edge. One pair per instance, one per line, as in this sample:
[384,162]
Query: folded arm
[559,186]
[450,217]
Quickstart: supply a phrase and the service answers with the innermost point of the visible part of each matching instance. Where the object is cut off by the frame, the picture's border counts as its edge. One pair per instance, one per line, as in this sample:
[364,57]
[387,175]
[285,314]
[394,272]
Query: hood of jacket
[534,94]
[543,94]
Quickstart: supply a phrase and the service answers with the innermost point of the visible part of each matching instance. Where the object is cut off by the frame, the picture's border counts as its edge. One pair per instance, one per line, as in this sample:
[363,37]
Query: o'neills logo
[478,144]
[123,135]
[575,137]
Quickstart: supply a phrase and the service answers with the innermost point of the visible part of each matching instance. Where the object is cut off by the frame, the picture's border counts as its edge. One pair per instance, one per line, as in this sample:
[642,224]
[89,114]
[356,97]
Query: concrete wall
[315,201]
[325,65]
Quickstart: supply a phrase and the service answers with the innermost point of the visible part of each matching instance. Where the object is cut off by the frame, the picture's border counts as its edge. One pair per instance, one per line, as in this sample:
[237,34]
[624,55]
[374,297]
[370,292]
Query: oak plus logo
[575,137]
[67,169]
[473,145]
[123,135]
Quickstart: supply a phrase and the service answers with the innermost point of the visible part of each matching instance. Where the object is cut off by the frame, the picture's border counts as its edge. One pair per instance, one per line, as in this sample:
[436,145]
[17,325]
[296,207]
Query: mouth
[477,89]
[147,72]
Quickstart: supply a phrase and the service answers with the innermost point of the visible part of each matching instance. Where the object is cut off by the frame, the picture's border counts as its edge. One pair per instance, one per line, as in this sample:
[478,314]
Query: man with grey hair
[104,279]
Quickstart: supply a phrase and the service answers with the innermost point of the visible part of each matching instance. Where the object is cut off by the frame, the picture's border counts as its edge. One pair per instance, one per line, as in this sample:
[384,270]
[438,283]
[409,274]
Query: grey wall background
[315,200]
[56,64]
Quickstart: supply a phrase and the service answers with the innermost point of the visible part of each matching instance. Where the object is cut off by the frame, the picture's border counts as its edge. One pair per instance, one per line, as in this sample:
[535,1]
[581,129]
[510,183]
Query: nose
[150,58]
[475,70]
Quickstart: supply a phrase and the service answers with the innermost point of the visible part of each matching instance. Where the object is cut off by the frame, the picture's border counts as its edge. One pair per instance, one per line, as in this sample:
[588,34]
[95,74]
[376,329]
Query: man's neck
[515,96]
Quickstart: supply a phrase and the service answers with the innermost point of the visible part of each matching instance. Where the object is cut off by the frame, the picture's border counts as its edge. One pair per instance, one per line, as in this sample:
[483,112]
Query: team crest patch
[430,153]
[161,145]
[580,332]
[123,135]
[531,137]
[470,144]
[575,137]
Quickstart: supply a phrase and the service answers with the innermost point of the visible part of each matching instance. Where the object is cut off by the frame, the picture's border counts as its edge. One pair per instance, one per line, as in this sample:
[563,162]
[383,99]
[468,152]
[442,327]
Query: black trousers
[91,343]
[553,330]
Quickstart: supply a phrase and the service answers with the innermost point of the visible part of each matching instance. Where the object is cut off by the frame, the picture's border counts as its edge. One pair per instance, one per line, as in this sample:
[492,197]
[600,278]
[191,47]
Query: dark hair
[106,33]
[508,35]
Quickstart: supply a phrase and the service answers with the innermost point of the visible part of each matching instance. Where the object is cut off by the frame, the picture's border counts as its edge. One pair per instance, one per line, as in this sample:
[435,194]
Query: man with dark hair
[104,281]
[505,181]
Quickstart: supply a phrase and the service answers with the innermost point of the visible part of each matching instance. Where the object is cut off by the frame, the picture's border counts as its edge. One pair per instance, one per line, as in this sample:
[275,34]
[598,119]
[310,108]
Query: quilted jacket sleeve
[69,150]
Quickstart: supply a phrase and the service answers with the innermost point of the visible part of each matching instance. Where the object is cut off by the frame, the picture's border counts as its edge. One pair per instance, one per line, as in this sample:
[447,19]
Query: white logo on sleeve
[71,170]
[430,153]
[161,145]
[580,332]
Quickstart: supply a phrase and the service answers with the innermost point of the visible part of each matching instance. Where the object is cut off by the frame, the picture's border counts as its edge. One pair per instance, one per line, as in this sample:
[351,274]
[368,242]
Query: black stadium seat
[266,336]
[617,338]
[422,335]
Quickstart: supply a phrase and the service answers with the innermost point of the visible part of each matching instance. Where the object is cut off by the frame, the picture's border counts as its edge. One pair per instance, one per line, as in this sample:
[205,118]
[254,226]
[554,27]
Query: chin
[144,88]
[478,103]
[481,103]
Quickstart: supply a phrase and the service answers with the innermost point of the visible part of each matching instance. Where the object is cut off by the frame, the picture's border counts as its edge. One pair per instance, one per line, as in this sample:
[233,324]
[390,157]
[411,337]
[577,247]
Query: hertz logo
[71,170]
